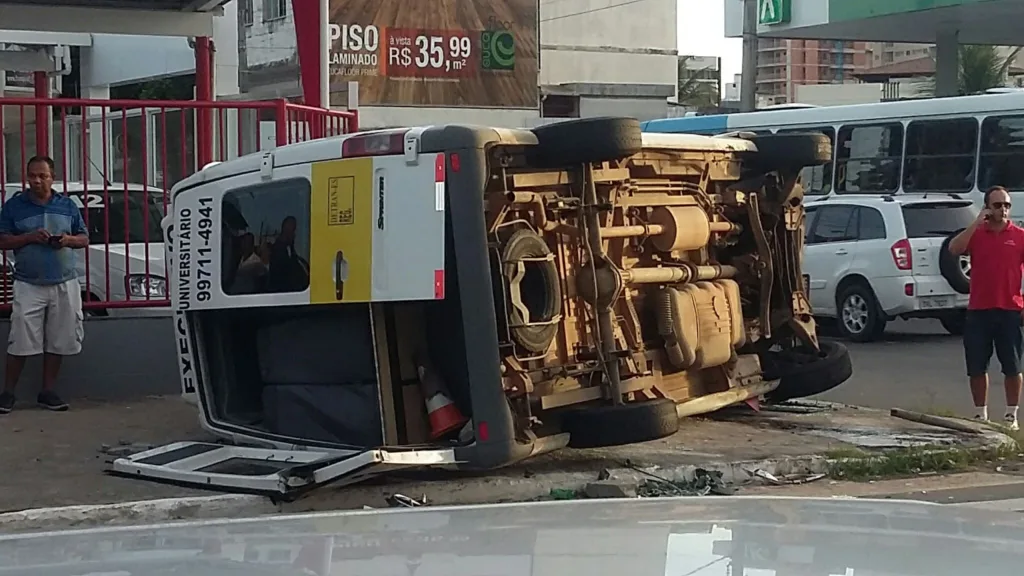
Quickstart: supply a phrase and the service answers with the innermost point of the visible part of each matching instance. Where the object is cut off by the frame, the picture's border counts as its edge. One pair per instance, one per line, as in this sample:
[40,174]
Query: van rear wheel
[621,424]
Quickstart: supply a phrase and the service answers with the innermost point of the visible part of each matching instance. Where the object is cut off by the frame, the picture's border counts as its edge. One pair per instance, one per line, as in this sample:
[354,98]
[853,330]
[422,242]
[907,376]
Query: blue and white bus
[956,146]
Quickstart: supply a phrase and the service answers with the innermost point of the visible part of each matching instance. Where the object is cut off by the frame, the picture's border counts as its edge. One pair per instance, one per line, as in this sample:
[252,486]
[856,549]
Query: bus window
[817,180]
[940,155]
[1002,153]
[868,158]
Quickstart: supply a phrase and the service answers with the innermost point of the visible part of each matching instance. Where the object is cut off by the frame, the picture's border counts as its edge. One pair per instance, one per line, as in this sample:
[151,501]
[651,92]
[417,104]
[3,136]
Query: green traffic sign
[772,12]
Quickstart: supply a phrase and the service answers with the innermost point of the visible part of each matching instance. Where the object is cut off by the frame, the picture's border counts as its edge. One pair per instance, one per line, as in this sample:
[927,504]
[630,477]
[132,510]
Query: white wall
[269,42]
[121,59]
[115,59]
[604,41]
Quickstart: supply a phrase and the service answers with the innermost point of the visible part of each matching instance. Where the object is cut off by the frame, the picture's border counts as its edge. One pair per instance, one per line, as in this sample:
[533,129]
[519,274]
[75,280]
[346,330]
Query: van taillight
[374,144]
[901,255]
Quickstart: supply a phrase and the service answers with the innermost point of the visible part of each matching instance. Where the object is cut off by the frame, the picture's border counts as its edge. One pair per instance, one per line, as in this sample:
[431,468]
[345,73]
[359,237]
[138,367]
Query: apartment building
[885,53]
[783,64]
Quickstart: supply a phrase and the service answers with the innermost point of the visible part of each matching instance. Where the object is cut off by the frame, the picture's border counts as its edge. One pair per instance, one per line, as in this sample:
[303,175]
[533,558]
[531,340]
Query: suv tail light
[374,144]
[901,255]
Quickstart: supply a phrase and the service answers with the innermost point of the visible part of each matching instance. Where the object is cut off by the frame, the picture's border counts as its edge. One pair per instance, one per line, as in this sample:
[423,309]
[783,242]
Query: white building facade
[96,63]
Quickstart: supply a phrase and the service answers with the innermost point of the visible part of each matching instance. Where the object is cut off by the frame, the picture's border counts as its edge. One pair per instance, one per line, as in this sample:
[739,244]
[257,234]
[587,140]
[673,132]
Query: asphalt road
[917,366]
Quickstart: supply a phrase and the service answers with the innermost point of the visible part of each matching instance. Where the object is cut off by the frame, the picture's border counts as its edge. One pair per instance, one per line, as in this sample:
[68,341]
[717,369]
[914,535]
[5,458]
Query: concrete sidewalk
[59,459]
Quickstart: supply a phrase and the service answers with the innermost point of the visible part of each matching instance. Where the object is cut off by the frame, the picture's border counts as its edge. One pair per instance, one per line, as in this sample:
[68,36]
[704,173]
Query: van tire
[793,151]
[800,379]
[951,268]
[621,424]
[585,141]
[525,243]
[858,294]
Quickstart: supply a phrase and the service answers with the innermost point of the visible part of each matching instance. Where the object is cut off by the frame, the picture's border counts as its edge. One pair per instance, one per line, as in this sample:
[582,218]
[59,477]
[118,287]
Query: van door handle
[340,274]
[841,251]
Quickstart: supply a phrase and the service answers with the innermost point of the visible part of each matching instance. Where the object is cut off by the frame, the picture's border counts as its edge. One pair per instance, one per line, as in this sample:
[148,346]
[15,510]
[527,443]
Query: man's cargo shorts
[985,330]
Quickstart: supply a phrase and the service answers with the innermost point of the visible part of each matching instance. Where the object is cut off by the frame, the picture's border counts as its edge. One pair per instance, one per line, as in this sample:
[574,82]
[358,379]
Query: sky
[702,33]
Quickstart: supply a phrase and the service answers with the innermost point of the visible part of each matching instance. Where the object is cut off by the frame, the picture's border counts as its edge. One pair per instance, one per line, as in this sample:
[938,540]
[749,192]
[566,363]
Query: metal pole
[41,83]
[204,93]
[748,83]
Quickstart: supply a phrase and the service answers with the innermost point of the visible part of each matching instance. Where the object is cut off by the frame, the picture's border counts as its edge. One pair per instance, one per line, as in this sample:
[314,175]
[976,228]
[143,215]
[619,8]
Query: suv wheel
[954,322]
[859,317]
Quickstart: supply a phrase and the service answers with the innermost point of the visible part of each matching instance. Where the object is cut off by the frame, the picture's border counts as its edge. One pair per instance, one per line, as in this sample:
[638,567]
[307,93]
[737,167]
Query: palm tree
[981,68]
[693,89]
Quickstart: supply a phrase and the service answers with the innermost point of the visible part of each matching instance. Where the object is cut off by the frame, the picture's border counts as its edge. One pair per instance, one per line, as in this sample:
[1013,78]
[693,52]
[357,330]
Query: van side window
[817,180]
[835,224]
[940,155]
[265,238]
[869,157]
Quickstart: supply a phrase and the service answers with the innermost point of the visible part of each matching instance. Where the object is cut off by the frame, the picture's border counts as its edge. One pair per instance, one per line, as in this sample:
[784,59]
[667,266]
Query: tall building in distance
[784,64]
[884,53]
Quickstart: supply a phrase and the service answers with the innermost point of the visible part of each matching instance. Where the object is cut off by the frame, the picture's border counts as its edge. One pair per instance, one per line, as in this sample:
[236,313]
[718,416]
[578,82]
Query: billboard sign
[471,53]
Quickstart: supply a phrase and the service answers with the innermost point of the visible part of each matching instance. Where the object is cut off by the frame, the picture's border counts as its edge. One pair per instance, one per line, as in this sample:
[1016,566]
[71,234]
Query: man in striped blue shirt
[42,228]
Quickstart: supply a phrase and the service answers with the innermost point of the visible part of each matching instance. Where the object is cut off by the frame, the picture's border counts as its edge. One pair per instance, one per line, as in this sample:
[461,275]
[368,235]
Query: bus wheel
[794,151]
[621,424]
[534,290]
[585,141]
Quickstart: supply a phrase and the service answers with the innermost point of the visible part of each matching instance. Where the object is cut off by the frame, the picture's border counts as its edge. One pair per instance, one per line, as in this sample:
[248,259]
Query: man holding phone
[995,310]
[42,228]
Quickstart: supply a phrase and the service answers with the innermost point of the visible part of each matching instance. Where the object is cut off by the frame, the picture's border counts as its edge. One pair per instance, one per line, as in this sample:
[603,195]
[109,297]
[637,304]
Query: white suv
[870,259]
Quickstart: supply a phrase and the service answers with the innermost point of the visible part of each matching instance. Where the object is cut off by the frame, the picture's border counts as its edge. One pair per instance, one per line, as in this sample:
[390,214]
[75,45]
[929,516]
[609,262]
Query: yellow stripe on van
[341,224]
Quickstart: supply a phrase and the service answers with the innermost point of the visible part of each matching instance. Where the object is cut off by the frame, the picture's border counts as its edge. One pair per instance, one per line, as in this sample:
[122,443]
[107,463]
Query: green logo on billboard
[497,50]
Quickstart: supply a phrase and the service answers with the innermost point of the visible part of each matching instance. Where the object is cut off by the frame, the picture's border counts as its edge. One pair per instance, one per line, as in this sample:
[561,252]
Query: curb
[611,482]
[138,512]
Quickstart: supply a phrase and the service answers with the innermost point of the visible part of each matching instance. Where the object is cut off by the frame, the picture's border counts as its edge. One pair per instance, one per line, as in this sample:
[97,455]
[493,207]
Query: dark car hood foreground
[655,537]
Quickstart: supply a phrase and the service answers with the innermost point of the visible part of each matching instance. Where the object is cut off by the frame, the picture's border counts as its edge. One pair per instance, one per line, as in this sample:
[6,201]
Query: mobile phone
[54,241]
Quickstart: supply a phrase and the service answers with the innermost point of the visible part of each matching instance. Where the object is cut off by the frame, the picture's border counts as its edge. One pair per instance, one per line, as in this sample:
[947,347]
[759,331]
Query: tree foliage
[693,89]
[980,68]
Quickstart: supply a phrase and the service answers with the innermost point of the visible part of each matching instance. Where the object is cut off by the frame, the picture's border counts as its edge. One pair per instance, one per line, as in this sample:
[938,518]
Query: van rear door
[268,471]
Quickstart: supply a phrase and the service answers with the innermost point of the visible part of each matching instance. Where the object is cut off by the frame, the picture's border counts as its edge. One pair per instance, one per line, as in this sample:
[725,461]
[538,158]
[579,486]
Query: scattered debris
[793,407]
[403,501]
[938,421]
[704,483]
[610,489]
[563,494]
[124,448]
[788,479]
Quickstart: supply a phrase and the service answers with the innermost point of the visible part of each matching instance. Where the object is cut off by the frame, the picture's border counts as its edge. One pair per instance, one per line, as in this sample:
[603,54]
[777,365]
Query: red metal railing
[119,160]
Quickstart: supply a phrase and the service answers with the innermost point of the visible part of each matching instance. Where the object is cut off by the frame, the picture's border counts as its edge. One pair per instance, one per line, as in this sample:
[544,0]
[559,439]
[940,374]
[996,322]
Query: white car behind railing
[125,240]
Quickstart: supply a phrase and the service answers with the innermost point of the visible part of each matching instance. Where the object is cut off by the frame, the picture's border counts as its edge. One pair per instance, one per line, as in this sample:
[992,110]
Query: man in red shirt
[994,310]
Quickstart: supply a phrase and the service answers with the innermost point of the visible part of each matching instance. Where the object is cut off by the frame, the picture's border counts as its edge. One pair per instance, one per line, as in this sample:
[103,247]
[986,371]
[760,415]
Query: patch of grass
[846,453]
[913,461]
